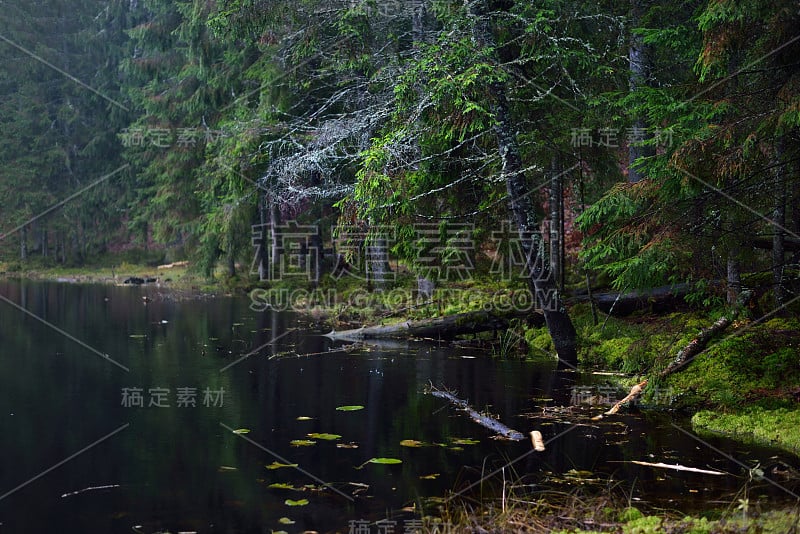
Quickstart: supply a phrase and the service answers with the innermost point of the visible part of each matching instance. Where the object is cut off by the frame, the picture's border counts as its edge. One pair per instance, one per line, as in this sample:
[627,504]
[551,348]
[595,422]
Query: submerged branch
[482,419]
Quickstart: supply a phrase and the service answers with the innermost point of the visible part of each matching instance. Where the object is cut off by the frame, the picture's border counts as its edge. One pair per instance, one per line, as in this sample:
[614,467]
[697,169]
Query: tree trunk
[261,253]
[442,328]
[657,299]
[44,242]
[540,278]
[778,223]
[23,243]
[419,12]
[229,261]
[377,261]
[556,224]
[638,75]
[316,256]
[734,277]
[274,269]
[795,206]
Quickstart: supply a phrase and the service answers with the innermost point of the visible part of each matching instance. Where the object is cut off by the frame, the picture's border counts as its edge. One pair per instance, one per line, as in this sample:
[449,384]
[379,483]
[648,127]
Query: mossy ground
[777,427]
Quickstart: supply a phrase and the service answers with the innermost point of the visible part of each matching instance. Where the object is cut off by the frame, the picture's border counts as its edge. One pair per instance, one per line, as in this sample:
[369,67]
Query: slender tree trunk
[419,12]
[275,254]
[637,77]
[44,242]
[261,253]
[556,223]
[734,277]
[540,280]
[377,261]
[230,258]
[779,223]
[23,244]
[794,169]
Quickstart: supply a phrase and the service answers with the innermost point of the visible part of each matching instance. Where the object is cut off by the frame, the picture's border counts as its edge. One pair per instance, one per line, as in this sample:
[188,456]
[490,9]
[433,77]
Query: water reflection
[178,467]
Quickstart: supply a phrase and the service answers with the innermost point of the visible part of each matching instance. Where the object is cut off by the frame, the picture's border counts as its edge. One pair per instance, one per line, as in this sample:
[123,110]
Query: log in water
[484,420]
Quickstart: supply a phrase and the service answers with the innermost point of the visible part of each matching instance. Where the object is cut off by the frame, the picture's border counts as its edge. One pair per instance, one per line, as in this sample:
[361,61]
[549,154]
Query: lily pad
[385,461]
[347,445]
[281,485]
[242,431]
[138,336]
[412,443]
[465,441]
[224,468]
[286,521]
[382,461]
[278,465]
[325,436]
[300,502]
[353,408]
[432,476]
[302,443]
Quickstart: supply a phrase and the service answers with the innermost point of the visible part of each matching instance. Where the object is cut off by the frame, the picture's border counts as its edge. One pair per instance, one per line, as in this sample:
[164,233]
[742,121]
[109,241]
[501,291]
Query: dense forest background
[652,142]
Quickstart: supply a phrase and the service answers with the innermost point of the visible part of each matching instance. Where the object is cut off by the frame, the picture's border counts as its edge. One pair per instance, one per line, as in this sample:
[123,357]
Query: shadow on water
[81,455]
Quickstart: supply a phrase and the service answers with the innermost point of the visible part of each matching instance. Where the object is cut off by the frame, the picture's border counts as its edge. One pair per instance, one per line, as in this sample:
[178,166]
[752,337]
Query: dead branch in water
[482,419]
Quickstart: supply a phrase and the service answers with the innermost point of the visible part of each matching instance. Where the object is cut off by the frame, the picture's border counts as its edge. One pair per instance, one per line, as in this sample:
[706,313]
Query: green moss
[539,342]
[758,366]
[630,514]
[779,427]
[644,525]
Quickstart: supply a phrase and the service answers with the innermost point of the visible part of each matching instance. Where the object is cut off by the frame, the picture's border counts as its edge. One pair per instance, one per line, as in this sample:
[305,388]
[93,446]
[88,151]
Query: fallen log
[657,299]
[696,346]
[482,419]
[441,328]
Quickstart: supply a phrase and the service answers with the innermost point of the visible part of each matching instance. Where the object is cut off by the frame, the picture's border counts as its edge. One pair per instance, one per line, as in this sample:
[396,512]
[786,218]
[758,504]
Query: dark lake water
[79,455]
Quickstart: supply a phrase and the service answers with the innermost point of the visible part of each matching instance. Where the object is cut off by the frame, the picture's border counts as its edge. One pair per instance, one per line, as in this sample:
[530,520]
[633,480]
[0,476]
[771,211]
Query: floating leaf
[328,437]
[285,521]
[347,445]
[353,408]
[281,485]
[412,443]
[301,502]
[382,461]
[304,418]
[242,431]
[385,461]
[278,465]
[465,441]
[432,476]
[456,448]
[224,468]
[137,336]
[302,443]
